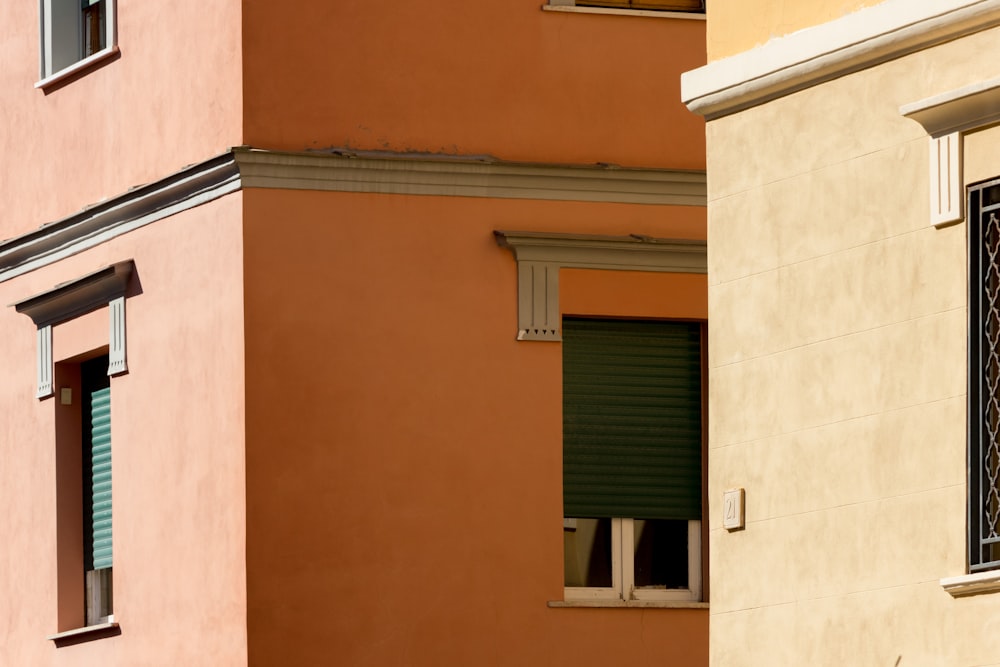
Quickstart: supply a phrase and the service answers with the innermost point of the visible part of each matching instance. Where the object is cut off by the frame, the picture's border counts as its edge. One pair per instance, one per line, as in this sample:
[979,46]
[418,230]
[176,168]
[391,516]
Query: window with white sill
[73,31]
[632,460]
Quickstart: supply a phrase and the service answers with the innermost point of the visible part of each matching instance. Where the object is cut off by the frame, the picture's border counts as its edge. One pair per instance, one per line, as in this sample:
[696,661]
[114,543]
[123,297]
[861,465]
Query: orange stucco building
[326,253]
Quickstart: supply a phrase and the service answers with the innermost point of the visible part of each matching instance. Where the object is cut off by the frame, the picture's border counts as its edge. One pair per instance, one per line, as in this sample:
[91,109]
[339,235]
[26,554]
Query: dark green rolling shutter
[631,419]
[97,464]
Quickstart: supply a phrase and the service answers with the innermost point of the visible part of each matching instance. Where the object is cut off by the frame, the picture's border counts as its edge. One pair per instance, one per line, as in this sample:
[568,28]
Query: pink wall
[404,459]
[500,77]
[178,453]
[172,98]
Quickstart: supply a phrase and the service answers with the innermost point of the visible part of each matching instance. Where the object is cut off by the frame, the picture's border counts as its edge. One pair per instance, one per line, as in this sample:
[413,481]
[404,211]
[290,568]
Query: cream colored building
[852,299]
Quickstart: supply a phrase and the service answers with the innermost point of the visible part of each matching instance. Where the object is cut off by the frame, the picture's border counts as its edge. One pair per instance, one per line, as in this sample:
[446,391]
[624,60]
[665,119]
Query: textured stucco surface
[177,453]
[404,460]
[498,77]
[838,376]
[171,99]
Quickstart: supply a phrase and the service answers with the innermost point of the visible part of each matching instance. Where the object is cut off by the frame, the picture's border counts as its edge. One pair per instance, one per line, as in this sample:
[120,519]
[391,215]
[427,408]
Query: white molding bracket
[967,108]
[945,166]
[116,336]
[540,255]
[71,299]
[538,301]
[43,362]
[945,118]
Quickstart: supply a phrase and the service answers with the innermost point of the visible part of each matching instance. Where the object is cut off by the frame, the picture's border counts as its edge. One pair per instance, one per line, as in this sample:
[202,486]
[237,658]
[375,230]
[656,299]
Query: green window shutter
[96,464]
[632,429]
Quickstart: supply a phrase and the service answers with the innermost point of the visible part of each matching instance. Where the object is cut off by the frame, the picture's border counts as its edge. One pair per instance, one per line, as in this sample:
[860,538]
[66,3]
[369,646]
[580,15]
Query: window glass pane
[661,553]
[93,29]
[587,549]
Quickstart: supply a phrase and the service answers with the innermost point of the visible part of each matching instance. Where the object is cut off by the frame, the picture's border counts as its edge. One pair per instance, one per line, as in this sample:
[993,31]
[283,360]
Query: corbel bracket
[540,255]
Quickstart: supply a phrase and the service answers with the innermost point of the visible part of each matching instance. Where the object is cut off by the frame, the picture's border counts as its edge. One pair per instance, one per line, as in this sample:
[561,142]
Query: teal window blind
[632,419]
[96,390]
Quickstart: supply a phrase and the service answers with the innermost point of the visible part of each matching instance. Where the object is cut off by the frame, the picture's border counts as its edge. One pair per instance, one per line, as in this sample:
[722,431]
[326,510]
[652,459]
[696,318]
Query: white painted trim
[649,13]
[117,357]
[623,592]
[344,171]
[966,108]
[540,255]
[857,41]
[642,604]
[945,173]
[972,584]
[467,176]
[79,633]
[945,117]
[78,66]
[99,223]
[595,593]
[44,362]
[690,594]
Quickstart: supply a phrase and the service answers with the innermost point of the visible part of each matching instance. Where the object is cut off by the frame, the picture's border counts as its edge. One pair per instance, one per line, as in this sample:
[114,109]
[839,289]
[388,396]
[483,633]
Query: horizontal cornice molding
[966,108]
[634,252]
[76,297]
[419,174]
[140,206]
[811,56]
[344,171]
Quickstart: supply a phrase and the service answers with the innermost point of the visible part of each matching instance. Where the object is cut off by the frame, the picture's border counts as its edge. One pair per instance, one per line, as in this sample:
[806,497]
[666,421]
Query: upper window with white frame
[632,460]
[74,33]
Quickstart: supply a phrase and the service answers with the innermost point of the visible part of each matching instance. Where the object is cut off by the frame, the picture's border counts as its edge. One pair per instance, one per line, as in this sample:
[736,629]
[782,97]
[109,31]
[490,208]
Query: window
[73,31]
[632,459]
[984,376]
[96,505]
[693,6]
[82,384]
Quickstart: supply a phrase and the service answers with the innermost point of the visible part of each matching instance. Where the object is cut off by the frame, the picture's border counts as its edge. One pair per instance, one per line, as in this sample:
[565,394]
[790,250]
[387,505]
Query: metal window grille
[984,376]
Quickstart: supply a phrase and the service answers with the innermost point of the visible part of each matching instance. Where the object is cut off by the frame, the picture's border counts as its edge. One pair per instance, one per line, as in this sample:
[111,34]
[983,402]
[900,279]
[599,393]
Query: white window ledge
[83,634]
[624,12]
[972,584]
[655,604]
[78,66]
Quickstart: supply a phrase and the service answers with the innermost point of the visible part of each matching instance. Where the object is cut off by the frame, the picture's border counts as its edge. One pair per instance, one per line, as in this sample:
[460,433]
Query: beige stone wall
[738,25]
[838,376]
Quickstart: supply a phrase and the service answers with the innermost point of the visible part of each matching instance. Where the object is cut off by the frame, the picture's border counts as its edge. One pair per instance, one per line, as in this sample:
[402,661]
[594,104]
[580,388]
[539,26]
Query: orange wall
[172,98]
[404,460]
[177,452]
[499,77]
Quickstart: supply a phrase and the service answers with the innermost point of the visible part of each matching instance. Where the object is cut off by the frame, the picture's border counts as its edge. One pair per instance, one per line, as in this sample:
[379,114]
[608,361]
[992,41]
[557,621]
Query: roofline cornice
[857,41]
[344,171]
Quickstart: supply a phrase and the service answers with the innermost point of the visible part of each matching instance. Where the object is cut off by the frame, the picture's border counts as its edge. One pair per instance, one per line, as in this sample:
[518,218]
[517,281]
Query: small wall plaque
[733,517]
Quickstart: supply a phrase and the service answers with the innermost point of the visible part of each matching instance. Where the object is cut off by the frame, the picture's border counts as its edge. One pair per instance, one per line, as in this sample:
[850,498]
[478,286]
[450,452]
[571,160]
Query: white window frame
[61,36]
[623,570]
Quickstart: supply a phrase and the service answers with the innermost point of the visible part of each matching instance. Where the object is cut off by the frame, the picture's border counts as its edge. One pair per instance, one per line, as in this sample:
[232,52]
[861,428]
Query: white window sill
[624,12]
[76,67]
[83,634]
[972,584]
[655,604]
